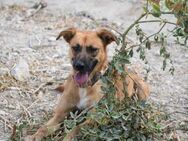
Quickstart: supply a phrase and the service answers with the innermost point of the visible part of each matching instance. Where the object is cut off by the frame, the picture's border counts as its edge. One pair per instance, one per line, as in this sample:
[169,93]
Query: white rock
[21,70]
[51,39]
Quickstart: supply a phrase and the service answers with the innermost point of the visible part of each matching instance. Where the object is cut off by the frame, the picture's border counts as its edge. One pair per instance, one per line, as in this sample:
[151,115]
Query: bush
[134,120]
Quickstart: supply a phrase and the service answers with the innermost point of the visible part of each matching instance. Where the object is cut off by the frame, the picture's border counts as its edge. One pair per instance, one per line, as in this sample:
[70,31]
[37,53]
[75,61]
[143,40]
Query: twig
[171,123]
[42,85]
[42,4]
[175,106]
[175,136]
[114,30]
[128,29]
[147,37]
[132,47]
[155,33]
[180,112]
[13,135]
[32,104]
[166,13]
[39,41]
[37,10]
[5,121]
[84,111]
[25,110]
[153,21]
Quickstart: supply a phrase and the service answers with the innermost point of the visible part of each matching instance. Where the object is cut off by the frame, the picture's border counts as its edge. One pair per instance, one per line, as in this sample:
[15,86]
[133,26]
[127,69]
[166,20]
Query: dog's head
[87,52]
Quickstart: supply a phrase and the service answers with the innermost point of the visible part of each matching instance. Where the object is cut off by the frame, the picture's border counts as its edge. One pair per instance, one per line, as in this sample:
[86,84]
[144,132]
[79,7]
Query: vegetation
[132,120]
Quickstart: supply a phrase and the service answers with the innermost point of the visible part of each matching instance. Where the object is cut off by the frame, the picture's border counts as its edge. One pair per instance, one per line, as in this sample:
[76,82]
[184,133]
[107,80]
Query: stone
[20,71]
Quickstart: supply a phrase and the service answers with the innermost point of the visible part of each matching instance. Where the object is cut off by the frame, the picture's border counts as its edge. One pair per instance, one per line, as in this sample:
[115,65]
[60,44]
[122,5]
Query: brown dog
[82,88]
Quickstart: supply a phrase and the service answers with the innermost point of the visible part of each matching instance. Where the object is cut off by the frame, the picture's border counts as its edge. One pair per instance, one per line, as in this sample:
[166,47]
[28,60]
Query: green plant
[133,120]
[129,120]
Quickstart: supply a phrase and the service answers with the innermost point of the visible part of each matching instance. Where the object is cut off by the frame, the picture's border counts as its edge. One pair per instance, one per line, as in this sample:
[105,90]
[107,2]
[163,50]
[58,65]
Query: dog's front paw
[33,138]
[68,138]
[39,135]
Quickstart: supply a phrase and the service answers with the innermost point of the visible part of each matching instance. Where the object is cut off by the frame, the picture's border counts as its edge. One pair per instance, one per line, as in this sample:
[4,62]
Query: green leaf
[145,9]
[142,53]
[115,115]
[164,64]
[72,115]
[148,44]
[171,70]
[156,38]
[131,53]
[162,50]
[156,6]
[119,67]
[156,12]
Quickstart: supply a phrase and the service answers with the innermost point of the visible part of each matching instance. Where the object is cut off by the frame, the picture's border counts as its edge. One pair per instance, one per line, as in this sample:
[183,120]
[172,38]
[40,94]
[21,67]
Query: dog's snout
[79,65]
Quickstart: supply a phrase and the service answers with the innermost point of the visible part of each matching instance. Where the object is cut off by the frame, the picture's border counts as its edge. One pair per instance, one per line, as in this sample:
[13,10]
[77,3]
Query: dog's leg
[64,106]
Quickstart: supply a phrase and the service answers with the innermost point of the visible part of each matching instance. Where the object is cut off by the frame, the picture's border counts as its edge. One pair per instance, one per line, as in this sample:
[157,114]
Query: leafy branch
[179,31]
[161,21]
[128,29]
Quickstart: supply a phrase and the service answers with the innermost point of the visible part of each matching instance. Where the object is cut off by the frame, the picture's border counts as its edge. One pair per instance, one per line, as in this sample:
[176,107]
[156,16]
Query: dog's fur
[87,46]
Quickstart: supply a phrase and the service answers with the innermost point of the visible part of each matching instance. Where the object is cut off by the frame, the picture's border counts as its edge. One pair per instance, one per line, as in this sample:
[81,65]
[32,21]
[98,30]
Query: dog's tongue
[81,78]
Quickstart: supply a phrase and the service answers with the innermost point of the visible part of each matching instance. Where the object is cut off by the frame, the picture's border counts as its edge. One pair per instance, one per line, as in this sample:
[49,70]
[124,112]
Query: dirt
[32,38]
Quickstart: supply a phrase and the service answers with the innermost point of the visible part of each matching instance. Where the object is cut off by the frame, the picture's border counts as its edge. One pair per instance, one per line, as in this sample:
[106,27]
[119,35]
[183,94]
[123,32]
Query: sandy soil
[33,40]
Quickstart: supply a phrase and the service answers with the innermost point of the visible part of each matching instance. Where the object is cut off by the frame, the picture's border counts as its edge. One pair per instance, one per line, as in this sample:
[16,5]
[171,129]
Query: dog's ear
[106,36]
[67,34]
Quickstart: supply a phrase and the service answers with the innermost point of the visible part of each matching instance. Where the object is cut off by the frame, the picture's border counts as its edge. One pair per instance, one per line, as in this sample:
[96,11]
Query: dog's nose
[79,65]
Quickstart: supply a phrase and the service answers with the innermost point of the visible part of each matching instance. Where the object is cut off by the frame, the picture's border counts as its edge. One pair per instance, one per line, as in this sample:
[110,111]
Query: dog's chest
[83,102]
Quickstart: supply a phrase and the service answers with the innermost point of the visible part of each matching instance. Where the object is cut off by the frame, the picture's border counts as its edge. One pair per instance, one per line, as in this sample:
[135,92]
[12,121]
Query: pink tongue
[81,78]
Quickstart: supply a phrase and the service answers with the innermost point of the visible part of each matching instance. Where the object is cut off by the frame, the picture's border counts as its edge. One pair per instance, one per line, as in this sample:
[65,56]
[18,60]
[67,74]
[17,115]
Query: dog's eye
[77,48]
[92,49]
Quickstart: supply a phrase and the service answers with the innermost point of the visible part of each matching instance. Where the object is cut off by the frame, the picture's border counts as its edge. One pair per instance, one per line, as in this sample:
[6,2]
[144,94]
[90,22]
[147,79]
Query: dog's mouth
[82,72]
[81,79]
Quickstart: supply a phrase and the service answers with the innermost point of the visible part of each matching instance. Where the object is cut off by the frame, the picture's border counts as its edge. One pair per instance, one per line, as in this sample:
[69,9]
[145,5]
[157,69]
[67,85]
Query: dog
[82,89]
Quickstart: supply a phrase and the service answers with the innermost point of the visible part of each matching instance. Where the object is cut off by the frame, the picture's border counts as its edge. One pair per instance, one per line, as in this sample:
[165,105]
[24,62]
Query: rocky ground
[28,46]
